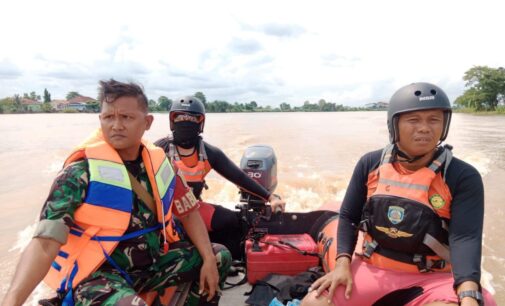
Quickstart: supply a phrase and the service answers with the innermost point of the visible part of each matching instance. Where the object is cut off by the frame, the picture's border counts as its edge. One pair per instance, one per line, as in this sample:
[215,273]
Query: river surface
[316,154]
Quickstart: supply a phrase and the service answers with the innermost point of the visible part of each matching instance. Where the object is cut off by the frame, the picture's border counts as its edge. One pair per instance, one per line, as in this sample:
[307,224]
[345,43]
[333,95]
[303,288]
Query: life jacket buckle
[369,248]
[363,225]
[420,262]
[436,264]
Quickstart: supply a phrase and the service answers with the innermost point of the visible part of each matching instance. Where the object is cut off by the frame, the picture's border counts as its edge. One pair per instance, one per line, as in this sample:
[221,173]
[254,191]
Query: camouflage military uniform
[141,257]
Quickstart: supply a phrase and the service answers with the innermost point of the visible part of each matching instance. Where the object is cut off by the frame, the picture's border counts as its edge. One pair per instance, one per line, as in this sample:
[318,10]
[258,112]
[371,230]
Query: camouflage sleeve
[67,193]
[184,199]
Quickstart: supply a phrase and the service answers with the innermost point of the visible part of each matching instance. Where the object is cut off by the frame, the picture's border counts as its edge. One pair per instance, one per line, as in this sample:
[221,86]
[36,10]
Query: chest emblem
[393,232]
[396,214]
[437,201]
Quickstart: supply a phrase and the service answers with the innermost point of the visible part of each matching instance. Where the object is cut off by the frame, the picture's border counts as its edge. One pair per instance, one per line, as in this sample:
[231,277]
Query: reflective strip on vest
[109,185]
[164,177]
[194,173]
[403,185]
[165,181]
[109,173]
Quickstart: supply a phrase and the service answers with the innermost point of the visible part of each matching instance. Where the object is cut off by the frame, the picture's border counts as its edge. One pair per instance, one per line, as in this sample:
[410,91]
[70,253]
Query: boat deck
[235,296]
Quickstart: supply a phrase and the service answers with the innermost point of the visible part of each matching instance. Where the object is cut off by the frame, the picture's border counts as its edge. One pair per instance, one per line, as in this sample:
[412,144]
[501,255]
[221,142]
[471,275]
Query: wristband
[473,294]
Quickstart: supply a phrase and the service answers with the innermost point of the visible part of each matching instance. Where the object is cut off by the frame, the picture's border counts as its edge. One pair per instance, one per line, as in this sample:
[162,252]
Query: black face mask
[186,134]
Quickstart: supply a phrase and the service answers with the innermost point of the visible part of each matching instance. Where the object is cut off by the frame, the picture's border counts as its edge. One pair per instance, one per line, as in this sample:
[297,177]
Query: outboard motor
[272,245]
[260,164]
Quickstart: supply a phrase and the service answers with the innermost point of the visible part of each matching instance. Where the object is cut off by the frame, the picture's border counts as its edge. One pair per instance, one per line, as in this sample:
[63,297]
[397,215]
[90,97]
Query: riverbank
[500,110]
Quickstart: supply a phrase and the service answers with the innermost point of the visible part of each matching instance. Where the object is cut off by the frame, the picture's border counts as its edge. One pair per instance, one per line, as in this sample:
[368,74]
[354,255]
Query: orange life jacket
[101,221]
[406,214]
[192,174]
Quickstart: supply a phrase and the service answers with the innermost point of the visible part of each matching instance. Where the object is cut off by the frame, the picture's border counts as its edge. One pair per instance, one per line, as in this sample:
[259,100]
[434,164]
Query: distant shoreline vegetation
[76,103]
[500,110]
[484,94]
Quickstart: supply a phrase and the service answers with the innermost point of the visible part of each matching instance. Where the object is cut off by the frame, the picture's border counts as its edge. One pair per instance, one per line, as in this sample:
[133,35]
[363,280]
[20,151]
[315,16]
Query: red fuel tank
[272,255]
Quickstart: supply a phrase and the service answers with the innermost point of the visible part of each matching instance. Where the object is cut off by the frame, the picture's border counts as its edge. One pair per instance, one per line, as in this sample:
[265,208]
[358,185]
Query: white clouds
[243,46]
[8,69]
[268,51]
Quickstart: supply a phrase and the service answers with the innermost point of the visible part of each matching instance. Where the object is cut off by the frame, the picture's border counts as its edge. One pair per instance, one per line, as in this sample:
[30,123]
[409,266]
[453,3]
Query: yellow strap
[142,193]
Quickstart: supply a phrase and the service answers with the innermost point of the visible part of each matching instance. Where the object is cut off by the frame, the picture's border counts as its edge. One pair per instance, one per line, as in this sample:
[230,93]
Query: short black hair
[111,90]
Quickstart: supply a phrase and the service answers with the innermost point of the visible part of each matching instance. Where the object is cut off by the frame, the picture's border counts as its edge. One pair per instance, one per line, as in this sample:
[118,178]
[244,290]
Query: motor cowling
[260,164]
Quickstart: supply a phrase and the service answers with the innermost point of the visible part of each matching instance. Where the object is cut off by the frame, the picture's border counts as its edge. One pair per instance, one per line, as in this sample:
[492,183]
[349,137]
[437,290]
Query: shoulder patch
[437,201]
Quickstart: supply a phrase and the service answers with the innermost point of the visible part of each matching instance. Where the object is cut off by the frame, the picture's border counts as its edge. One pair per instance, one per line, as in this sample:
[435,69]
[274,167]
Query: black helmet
[415,97]
[188,104]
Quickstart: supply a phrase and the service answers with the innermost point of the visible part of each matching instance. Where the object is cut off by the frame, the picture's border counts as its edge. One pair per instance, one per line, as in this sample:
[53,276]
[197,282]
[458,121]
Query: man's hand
[468,285]
[195,228]
[209,278]
[32,267]
[340,276]
[277,203]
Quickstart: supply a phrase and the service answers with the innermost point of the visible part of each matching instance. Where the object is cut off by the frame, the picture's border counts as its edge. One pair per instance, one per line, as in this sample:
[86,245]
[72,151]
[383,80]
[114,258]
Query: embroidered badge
[394,232]
[396,214]
[437,201]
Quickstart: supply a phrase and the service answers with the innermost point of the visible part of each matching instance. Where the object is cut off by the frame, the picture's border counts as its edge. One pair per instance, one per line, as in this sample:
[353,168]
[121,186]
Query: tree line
[221,106]
[163,104]
[485,91]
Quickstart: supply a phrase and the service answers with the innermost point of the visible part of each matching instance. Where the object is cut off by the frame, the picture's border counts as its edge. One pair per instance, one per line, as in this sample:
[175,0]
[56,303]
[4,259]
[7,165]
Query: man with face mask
[195,158]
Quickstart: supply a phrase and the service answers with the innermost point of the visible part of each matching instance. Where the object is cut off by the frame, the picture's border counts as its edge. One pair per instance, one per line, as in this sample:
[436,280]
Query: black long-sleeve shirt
[465,225]
[225,167]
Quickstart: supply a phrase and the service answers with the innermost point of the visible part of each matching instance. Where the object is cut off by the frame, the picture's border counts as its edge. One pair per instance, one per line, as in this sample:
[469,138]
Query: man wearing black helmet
[195,158]
[421,211]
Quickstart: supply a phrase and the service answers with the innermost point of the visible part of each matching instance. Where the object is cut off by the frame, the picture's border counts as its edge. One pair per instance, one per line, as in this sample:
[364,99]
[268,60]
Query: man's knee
[223,258]
[311,300]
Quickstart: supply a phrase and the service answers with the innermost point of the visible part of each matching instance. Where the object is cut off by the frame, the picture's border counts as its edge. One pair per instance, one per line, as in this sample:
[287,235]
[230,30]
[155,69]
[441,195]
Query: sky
[346,52]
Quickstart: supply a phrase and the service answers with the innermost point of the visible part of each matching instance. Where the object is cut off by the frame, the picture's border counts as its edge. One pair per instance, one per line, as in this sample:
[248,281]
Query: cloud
[261,61]
[338,61]
[244,46]
[126,68]
[9,70]
[282,30]
[69,73]
[276,29]
[238,54]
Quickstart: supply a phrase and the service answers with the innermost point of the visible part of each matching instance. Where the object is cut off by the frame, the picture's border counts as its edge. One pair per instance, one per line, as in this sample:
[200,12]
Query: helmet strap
[400,156]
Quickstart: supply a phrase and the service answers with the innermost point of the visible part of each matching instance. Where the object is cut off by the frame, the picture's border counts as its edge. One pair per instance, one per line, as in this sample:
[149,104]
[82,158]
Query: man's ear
[149,121]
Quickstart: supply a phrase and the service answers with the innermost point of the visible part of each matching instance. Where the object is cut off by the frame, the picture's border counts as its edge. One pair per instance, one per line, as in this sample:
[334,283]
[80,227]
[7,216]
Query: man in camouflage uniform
[138,264]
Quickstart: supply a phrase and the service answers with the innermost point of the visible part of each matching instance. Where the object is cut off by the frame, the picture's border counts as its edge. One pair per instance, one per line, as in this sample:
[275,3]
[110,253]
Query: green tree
[251,106]
[164,103]
[93,106]
[153,106]
[46,107]
[7,105]
[72,94]
[47,96]
[321,104]
[285,107]
[33,96]
[329,107]
[218,107]
[18,107]
[201,97]
[308,107]
[486,88]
